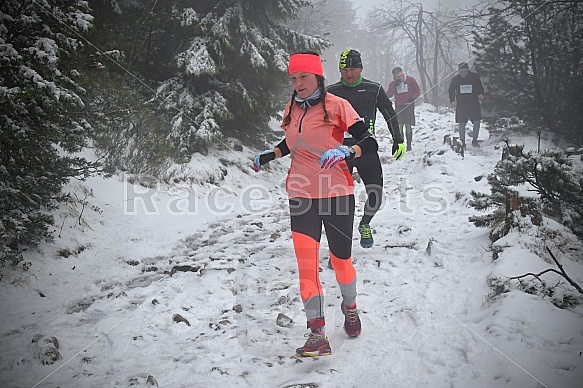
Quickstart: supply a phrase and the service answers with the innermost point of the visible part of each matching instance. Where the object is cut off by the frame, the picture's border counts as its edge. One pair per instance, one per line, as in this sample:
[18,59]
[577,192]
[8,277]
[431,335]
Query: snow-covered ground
[182,286]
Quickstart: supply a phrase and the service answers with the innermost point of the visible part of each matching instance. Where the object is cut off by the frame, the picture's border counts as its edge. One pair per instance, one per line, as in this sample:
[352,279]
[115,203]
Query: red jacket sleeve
[416,89]
[391,90]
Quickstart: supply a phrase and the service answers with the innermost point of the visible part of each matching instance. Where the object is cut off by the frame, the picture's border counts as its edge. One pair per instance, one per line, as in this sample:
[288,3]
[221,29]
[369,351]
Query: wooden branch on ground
[536,275]
[571,281]
[561,272]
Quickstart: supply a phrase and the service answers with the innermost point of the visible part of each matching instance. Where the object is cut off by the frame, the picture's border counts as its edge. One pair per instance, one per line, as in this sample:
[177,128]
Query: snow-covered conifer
[41,121]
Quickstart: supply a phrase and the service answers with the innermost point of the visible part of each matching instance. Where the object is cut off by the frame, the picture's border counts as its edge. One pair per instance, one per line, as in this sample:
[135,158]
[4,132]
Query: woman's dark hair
[323,92]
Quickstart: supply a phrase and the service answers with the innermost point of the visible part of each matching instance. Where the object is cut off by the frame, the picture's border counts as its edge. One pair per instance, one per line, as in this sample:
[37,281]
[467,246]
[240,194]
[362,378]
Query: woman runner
[320,190]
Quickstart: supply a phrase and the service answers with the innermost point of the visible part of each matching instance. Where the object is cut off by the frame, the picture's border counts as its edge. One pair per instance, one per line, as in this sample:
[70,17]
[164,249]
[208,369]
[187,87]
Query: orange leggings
[307,217]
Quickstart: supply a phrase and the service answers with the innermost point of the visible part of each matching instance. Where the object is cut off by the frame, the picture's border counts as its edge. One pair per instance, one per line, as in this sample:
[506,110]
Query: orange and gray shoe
[316,345]
[352,325]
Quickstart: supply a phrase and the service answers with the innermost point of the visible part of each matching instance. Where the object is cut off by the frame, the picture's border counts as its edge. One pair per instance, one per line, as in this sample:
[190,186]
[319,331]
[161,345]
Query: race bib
[466,89]
[403,88]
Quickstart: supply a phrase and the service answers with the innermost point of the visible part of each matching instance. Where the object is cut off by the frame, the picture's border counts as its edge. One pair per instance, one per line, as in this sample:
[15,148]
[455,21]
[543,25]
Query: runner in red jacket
[406,91]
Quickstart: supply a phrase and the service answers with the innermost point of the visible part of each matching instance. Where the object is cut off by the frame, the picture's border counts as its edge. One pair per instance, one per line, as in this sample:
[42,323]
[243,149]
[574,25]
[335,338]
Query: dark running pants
[307,217]
[370,171]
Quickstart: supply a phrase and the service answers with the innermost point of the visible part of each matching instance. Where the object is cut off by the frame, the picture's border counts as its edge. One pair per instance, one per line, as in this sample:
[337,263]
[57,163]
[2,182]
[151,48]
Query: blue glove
[262,158]
[334,156]
[398,150]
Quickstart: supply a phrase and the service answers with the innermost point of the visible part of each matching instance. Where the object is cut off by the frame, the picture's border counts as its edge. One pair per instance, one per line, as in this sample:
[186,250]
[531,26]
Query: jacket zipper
[302,120]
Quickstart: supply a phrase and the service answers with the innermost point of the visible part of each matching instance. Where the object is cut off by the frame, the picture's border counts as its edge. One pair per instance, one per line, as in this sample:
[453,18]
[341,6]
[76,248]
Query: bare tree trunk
[419,53]
[432,35]
[536,78]
[436,48]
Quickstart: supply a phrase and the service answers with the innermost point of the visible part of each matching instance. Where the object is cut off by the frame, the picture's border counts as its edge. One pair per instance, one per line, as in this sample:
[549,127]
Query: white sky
[363,6]
[429,319]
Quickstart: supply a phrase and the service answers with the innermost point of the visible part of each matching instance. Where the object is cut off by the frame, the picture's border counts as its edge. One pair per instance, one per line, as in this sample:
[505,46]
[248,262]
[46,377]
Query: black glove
[263,158]
[412,99]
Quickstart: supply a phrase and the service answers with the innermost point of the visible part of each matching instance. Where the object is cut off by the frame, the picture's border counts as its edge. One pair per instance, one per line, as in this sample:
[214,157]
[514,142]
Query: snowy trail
[406,297]
[247,348]
[202,312]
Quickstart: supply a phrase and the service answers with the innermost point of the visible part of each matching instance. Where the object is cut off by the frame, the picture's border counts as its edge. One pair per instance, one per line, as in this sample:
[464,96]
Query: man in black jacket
[465,94]
[366,97]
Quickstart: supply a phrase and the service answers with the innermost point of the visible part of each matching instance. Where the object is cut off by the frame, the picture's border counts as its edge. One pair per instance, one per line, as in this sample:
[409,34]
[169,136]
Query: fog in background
[381,50]
[363,6]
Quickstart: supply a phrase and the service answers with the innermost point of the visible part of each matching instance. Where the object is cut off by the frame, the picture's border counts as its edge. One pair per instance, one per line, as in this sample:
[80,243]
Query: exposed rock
[184,268]
[151,381]
[179,318]
[284,321]
[46,350]
[429,245]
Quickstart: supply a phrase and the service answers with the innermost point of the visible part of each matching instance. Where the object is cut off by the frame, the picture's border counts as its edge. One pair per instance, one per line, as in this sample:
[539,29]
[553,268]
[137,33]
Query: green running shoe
[366,240]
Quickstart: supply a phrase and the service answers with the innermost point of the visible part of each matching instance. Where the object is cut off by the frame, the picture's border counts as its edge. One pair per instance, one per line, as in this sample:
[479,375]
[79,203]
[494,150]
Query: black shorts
[406,114]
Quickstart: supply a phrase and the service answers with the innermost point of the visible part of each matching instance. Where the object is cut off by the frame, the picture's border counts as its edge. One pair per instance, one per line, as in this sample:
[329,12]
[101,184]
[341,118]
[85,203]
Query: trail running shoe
[316,345]
[366,240]
[352,325]
[475,144]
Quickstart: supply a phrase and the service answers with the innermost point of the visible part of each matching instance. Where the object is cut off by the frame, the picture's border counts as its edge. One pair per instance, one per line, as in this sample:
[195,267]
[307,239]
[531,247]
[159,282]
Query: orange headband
[307,63]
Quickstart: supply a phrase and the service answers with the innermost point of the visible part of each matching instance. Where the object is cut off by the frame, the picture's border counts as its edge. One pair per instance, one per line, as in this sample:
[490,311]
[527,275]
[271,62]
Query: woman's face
[305,84]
